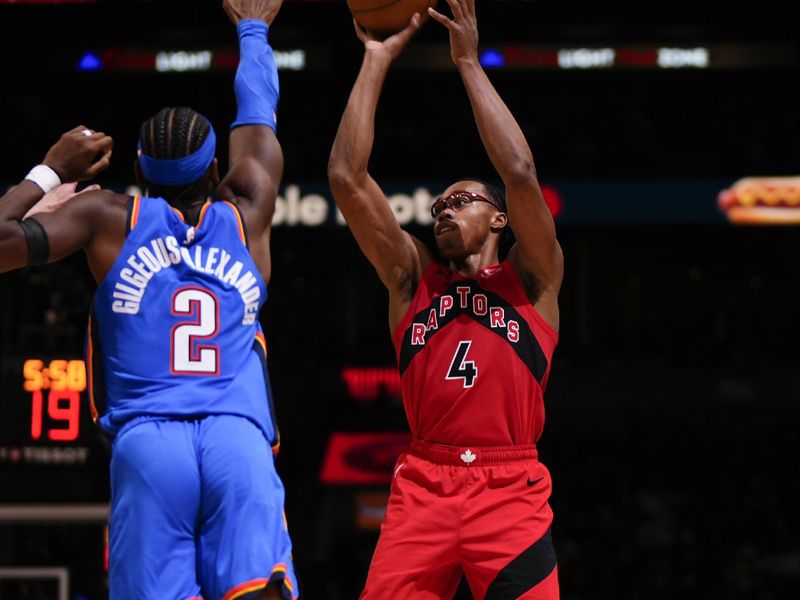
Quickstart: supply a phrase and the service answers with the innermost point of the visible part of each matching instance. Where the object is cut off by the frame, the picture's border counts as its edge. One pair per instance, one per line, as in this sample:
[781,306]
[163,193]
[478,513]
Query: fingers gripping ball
[387,16]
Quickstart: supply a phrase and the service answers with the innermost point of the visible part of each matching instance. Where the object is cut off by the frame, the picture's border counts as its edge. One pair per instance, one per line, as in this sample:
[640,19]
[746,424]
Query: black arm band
[36,238]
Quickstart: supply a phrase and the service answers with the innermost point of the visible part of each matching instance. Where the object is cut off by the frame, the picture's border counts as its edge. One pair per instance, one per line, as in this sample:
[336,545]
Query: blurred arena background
[673,430]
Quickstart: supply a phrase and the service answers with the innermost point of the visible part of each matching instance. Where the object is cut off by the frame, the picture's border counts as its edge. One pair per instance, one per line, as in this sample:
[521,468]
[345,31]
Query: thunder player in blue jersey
[175,350]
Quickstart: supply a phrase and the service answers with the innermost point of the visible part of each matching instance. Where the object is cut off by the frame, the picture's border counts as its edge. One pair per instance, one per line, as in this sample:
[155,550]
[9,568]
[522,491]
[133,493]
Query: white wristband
[44,177]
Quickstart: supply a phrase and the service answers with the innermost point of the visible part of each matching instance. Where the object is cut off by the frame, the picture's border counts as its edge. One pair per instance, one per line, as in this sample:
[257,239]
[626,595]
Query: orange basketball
[387,16]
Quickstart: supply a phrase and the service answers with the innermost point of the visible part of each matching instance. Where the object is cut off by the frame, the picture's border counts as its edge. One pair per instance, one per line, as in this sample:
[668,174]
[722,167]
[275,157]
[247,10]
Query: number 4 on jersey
[461,368]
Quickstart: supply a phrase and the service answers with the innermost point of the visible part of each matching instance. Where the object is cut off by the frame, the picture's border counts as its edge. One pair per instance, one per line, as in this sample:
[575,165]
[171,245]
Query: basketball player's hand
[57,197]
[463,29]
[79,154]
[264,10]
[391,47]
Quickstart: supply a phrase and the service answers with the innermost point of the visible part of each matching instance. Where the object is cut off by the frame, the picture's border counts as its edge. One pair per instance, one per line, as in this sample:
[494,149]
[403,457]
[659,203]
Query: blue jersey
[174,330]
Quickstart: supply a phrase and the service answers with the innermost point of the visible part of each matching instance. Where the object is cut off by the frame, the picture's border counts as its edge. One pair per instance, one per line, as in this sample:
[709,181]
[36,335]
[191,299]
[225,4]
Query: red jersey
[474,357]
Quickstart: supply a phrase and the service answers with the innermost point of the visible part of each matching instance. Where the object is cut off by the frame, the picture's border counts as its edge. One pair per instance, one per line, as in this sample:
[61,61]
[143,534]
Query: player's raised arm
[256,158]
[48,237]
[537,250]
[398,257]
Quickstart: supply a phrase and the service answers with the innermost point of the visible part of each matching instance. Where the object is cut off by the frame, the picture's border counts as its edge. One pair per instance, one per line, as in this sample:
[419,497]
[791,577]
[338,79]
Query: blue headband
[179,171]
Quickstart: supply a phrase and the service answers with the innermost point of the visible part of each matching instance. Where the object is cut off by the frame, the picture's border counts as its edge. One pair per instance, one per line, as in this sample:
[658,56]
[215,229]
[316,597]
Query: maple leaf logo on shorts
[468,456]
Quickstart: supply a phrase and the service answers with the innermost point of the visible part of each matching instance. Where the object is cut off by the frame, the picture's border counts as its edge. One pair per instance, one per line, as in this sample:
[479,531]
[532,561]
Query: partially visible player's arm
[256,158]
[537,249]
[399,258]
[56,198]
[42,239]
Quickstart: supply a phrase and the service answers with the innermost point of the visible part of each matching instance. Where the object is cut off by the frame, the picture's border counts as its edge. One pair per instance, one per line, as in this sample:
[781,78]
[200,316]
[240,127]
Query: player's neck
[191,210]
[470,265]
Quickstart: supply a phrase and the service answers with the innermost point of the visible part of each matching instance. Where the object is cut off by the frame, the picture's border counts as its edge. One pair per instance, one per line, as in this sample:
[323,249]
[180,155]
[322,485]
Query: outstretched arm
[537,251]
[256,158]
[399,258]
[25,241]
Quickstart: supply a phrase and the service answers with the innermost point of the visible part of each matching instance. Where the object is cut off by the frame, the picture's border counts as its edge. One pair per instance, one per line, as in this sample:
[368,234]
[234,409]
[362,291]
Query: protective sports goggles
[459,199]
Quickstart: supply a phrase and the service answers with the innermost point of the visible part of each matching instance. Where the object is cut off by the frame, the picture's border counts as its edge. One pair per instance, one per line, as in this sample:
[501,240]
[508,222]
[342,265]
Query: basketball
[387,16]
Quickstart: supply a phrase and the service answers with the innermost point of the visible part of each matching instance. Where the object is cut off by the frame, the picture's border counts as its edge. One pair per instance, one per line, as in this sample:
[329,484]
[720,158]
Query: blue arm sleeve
[256,84]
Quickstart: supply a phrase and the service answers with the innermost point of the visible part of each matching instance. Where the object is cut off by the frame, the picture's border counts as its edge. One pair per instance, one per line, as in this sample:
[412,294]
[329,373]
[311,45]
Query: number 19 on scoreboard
[56,398]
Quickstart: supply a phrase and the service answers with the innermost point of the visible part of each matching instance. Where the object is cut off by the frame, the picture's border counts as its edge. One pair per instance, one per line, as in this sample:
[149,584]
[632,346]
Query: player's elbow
[343,179]
[520,173]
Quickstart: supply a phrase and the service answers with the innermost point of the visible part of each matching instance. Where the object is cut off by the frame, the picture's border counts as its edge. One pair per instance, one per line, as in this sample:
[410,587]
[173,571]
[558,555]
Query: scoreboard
[50,450]
[62,381]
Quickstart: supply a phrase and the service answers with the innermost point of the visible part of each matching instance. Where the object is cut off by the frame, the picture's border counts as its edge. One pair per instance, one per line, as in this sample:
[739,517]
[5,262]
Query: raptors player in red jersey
[474,339]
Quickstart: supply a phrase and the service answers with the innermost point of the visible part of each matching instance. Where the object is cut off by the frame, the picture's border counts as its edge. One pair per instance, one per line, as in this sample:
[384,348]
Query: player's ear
[212,176]
[213,169]
[137,172]
[499,222]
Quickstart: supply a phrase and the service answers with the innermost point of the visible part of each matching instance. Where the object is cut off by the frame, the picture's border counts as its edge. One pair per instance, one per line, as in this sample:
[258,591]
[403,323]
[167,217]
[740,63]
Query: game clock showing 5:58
[55,389]
[47,438]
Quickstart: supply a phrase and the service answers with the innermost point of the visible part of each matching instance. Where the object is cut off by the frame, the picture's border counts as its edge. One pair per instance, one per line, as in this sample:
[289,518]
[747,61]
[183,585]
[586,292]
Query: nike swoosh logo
[534,482]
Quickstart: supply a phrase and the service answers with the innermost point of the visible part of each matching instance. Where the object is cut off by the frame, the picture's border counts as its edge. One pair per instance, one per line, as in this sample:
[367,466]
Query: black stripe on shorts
[525,571]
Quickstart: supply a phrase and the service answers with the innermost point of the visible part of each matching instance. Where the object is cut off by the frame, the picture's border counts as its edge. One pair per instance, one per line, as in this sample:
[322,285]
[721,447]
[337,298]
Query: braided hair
[175,133]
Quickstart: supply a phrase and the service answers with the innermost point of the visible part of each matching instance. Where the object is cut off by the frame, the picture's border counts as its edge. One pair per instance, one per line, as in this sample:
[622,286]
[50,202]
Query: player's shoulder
[104,198]
[241,209]
[523,276]
[100,204]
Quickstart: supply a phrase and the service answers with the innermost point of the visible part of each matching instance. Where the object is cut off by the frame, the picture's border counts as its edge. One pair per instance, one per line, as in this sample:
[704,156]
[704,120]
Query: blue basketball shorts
[196,512]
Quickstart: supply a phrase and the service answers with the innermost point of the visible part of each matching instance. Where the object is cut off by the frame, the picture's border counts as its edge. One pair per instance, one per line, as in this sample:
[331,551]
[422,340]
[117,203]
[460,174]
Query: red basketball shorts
[480,512]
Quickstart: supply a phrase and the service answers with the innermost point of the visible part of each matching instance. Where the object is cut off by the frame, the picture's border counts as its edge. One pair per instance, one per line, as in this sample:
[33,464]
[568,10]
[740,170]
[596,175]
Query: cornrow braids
[174,133]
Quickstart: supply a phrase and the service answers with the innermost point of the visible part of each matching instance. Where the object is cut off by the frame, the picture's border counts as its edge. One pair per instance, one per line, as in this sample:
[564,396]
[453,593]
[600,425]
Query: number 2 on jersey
[461,368]
[187,355]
